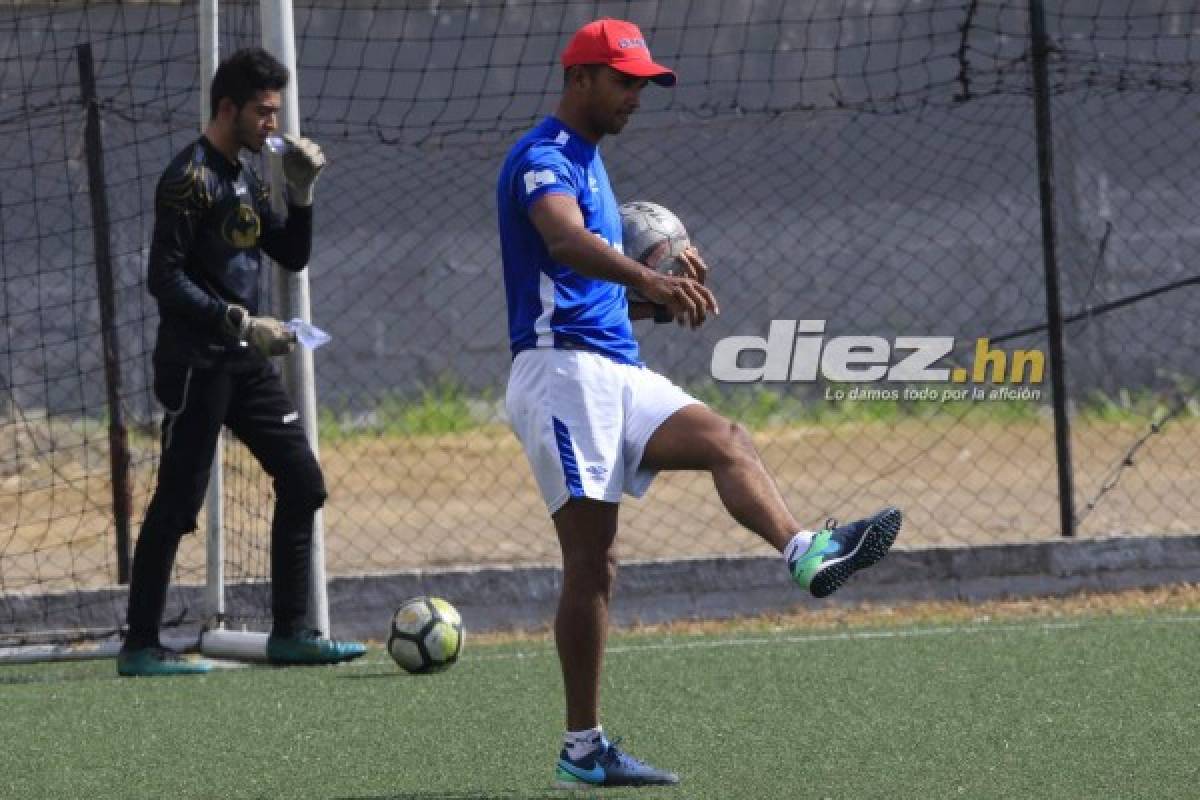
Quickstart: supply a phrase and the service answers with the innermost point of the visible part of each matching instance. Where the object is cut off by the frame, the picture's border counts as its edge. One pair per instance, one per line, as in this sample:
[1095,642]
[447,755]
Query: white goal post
[278,38]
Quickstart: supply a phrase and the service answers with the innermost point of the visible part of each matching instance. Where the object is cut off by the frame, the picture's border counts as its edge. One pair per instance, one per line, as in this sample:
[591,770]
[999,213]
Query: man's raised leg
[698,438]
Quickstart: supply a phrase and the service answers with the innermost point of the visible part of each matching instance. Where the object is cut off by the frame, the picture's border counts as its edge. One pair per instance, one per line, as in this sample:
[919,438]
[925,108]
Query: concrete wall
[500,598]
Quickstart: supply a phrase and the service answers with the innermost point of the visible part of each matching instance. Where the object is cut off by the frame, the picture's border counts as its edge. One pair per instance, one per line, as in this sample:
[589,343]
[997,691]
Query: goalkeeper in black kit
[212,366]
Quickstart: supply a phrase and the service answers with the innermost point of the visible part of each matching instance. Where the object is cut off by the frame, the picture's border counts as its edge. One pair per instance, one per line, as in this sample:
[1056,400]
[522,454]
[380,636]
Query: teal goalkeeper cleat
[158,662]
[836,553]
[310,647]
[608,766]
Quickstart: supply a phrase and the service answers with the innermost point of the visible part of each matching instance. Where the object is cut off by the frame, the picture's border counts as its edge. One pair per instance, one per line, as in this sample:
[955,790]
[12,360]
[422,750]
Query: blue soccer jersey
[549,304]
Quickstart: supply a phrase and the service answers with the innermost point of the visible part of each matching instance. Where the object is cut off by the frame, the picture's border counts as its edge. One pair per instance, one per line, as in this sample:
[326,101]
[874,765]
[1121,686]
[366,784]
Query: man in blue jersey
[594,422]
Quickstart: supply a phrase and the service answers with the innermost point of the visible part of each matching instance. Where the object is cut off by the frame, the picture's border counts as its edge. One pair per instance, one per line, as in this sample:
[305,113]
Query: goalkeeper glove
[267,335]
[303,161]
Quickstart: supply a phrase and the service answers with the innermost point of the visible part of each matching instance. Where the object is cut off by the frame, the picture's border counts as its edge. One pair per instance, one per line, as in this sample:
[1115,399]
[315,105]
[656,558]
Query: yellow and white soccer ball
[427,635]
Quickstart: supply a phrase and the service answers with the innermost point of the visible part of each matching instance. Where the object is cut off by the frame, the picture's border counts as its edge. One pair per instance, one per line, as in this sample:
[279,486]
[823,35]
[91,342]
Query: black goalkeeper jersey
[212,222]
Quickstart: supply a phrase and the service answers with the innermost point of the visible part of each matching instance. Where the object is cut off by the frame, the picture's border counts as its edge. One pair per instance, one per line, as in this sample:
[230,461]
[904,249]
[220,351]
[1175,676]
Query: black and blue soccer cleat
[837,552]
[608,766]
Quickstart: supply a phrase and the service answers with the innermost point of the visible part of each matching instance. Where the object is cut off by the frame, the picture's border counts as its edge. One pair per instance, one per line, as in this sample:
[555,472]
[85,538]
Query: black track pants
[255,406]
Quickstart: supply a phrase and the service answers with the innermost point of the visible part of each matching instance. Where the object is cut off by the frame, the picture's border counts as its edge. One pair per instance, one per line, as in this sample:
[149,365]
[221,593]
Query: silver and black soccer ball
[653,235]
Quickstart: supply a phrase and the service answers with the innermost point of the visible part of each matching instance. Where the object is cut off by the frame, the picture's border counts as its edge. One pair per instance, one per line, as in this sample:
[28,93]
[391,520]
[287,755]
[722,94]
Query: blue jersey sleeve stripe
[566,454]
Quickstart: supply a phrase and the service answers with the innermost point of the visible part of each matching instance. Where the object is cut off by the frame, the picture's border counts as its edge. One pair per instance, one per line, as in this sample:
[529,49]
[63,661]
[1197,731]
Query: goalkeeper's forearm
[176,292]
[290,244]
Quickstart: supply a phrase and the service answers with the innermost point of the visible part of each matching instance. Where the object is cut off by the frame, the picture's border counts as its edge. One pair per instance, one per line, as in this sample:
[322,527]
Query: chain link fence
[872,165]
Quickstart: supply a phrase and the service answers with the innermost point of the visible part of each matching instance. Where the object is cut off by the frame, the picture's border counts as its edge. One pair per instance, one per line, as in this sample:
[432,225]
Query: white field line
[841,636]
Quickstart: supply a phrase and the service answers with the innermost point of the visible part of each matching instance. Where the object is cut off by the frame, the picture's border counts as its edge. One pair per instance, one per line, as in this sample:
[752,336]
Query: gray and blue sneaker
[608,766]
[157,662]
[837,552]
[310,647]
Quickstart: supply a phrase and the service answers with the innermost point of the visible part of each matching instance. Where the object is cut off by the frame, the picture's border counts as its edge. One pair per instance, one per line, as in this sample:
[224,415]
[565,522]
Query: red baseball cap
[620,45]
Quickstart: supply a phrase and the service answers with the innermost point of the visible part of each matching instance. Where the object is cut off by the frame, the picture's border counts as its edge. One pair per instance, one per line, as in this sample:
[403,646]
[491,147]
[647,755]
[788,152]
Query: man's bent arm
[560,222]
[290,242]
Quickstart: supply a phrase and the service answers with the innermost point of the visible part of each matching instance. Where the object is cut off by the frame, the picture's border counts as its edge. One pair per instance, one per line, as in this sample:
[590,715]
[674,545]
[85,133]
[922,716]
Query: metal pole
[1045,156]
[279,38]
[214,500]
[118,435]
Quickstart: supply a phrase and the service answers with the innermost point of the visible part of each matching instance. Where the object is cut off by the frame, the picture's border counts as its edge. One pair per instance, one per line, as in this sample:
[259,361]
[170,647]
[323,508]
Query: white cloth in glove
[303,161]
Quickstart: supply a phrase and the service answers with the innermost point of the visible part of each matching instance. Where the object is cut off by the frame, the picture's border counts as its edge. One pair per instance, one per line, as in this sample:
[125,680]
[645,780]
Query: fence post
[118,435]
[1045,156]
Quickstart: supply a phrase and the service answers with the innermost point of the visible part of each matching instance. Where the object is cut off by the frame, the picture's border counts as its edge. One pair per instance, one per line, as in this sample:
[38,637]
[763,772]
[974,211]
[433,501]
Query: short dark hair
[591,69]
[244,74]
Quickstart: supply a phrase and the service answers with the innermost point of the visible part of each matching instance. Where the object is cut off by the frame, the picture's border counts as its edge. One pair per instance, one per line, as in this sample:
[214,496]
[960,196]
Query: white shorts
[584,421]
